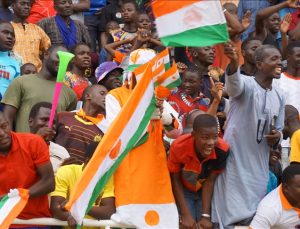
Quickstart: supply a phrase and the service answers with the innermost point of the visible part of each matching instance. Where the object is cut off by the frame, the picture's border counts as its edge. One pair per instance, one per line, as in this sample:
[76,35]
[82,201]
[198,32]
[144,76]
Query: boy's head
[28,69]
[293,54]
[291,121]
[189,120]
[112,25]
[191,82]
[143,21]
[204,55]
[7,36]
[129,11]
[248,49]
[272,23]
[275,155]
[205,134]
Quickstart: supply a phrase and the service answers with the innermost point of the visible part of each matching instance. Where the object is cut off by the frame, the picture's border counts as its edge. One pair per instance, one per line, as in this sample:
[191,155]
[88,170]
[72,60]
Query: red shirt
[183,159]
[18,170]
[295,19]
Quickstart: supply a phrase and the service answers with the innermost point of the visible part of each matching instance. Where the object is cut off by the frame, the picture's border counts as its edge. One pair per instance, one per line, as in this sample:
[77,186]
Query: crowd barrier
[107,224]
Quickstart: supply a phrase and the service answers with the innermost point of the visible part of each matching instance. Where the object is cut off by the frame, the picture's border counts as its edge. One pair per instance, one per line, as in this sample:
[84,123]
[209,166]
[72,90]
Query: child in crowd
[194,162]
[275,169]
[28,68]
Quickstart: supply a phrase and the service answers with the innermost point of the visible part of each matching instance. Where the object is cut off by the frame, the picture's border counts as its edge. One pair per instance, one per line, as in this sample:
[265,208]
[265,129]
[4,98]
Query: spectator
[248,49]
[194,162]
[77,77]
[92,19]
[250,147]
[295,19]
[109,74]
[39,117]
[65,181]
[41,9]
[253,7]
[190,117]
[292,130]
[31,40]
[25,163]
[28,69]
[280,208]
[275,170]
[63,30]
[10,65]
[5,13]
[25,91]
[267,22]
[76,130]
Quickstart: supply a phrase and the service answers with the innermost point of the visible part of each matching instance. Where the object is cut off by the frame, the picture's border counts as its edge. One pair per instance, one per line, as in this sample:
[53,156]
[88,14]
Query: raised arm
[81,6]
[234,24]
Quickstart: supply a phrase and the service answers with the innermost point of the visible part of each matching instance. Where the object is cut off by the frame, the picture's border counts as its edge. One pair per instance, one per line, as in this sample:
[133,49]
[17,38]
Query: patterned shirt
[50,27]
[77,83]
[30,41]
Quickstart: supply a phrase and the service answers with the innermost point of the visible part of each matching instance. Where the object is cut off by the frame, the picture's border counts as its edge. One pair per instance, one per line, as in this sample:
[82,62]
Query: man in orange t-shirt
[41,9]
[25,163]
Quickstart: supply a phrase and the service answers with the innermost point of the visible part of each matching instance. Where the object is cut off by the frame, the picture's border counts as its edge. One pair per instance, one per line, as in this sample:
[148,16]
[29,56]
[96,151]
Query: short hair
[132,2]
[25,65]
[290,172]
[247,41]
[77,45]
[291,113]
[36,108]
[91,148]
[204,121]
[291,46]
[54,47]
[260,52]
[87,90]
[194,69]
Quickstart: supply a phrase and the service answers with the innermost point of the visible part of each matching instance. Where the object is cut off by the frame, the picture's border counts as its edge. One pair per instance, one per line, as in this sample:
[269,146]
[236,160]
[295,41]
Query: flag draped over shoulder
[190,23]
[11,206]
[122,141]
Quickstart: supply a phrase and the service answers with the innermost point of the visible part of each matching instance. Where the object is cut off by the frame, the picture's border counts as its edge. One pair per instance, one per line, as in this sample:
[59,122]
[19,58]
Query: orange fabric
[41,9]
[290,76]
[119,56]
[18,170]
[162,7]
[94,120]
[285,203]
[222,60]
[121,94]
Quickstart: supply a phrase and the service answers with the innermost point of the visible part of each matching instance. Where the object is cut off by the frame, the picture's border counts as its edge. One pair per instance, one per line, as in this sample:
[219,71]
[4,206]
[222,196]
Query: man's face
[41,120]
[271,64]
[82,57]
[206,55]
[250,50]
[294,58]
[113,79]
[22,8]
[293,189]
[191,83]
[64,7]
[52,60]
[273,23]
[5,135]
[97,96]
[7,37]
[206,140]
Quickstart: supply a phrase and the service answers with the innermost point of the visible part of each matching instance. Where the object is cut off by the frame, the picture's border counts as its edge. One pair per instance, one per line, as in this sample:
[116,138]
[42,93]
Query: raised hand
[293,4]
[216,90]
[285,23]
[246,20]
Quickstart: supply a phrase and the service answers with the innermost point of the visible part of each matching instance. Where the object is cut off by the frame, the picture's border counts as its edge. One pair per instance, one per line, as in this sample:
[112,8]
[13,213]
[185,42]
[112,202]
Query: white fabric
[57,155]
[77,16]
[271,214]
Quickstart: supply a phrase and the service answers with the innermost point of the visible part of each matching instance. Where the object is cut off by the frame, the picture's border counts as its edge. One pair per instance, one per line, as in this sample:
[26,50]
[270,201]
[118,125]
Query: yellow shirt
[295,147]
[31,40]
[66,178]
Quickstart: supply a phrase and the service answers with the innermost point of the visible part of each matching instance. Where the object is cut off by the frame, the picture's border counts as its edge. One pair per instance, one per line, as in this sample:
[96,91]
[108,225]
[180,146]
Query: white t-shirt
[274,211]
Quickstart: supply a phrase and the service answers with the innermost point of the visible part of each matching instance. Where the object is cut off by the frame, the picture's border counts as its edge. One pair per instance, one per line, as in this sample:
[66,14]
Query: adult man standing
[250,140]
[75,131]
[9,65]
[63,30]
[27,90]
[25,163]
[31,40]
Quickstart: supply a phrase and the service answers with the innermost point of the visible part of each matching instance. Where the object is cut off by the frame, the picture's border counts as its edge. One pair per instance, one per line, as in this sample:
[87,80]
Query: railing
[107,224]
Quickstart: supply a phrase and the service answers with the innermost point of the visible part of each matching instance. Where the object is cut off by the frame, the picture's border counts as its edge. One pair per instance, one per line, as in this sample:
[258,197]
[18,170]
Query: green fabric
[199,37]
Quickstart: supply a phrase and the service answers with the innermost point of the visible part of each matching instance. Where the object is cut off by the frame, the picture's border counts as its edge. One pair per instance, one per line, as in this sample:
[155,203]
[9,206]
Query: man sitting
[281,207]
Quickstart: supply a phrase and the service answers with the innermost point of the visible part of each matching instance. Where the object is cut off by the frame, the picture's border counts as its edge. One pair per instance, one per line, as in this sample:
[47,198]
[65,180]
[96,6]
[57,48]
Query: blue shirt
[96,5]
[9,69]
[254,7]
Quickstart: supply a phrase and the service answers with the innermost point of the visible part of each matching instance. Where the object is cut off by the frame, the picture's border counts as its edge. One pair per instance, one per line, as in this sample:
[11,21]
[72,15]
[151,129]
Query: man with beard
[62,29]
[31,40]
[25,91]
[254,124]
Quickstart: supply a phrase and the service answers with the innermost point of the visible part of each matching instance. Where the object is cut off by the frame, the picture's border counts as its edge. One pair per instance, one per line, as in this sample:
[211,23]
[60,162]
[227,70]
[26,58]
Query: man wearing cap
[109,75]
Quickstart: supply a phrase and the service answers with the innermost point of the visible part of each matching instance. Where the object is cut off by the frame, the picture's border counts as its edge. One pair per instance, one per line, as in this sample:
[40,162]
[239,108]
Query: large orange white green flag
[126,132]
[190,22]
[11,206]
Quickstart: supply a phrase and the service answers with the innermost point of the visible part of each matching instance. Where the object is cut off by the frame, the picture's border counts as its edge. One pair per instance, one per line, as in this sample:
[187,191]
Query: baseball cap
[104,69]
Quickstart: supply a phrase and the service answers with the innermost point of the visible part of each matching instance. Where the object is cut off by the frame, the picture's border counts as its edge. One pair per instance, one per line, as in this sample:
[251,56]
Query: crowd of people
[230,132]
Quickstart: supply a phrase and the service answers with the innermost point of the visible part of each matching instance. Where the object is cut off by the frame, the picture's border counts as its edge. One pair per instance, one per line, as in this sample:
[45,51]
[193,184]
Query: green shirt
[26,91]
